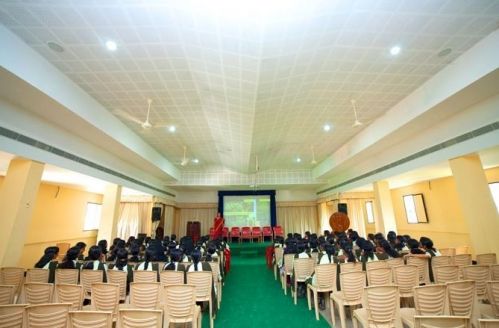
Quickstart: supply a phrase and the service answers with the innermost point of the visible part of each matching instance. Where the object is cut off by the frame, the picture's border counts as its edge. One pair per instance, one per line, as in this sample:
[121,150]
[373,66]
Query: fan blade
[127,116]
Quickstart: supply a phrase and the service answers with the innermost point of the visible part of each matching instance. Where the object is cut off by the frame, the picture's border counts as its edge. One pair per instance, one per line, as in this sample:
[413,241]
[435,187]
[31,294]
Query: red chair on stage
[246,234]
[256,232]
[278,231]
[267,232]
[225,233]
[235,232]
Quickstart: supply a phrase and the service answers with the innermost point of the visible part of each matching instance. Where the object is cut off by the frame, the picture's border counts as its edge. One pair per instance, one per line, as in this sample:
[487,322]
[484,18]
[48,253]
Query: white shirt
[199,267]
[125,268]
[142,265]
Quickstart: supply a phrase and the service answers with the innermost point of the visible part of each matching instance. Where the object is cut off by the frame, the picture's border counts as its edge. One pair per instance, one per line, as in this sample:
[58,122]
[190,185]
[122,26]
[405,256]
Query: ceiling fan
[184,160]
[354,107]
[313,162]
[144,124]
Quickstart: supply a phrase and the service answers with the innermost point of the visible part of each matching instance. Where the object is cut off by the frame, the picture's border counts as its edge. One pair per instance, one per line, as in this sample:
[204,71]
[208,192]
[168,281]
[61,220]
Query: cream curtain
[134,218]
[169,217]
[203,215]
[298,219]
[356,213]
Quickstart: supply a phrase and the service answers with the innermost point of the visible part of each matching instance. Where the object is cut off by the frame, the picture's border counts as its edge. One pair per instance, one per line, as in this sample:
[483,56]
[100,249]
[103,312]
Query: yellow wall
[446,226]
[58,217]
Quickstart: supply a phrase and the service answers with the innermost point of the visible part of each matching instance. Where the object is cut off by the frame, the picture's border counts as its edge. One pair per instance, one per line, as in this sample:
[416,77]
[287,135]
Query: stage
[247,249]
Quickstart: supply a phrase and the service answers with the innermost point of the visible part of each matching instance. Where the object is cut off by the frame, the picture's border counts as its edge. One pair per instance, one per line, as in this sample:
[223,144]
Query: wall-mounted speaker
[156,214]
[342,207]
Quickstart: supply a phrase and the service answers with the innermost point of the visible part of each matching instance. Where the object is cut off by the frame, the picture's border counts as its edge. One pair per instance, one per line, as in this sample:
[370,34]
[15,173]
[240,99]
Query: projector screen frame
[270,193]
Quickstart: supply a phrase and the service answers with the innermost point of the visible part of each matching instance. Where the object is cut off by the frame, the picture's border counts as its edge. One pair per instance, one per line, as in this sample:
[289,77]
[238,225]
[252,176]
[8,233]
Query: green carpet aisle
[252,298]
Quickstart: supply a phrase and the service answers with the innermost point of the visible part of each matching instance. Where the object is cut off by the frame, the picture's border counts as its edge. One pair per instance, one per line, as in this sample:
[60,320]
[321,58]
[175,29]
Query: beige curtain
[134,218]
[356,215]
[298,219]
[203,215]
[169,217]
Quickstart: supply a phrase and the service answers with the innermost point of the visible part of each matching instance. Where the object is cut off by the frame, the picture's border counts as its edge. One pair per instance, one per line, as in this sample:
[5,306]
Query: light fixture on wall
[354,107]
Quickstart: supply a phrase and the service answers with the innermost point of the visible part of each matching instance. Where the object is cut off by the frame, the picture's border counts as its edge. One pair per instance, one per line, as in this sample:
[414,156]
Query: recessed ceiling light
[111,45]
[326,127]
[298,160]
[55,46]
[195,161]
[395,50]
[444,52]
[172,128]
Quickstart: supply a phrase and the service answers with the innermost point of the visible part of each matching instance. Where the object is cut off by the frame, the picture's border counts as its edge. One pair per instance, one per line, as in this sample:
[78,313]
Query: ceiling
[260,80]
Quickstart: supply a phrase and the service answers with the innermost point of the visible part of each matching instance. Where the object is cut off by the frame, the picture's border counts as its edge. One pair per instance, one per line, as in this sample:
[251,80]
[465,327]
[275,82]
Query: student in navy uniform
[82,246]
[174,264]
[70,260]
[134,251]
[367,253]
[95,261]
[148,265]
[103,247]
[48,262]
[121,264]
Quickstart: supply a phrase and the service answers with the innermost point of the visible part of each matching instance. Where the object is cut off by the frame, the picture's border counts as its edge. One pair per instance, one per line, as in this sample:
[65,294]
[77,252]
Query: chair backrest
[406,277]
[442,321]
[488,323]
[446,273]
[494,272]
[350,267]
[12,276]
[105,297]
[90,319]
[493,296]
[118,277]
[382,305]
[256,230]
[379,276]
[461,296]
[67,276]
[303,268]
[53,315]
[441,260]
[37,275]
[235,231]
[447,251]
[68,293]
[38,292]
[12,315]
[423,269]
[89,277]
[486,259]
[278,231]
[326,276]
[267,231]
[215,270]
[203,281]
[7,294]
[170,277]
[463,250]
[288,263]
[145,276]
[144,295]
[140,318]
[480,274]
[462,260]
[279,252]
[430,299]
[352,284]
[180,302]
[376,265]
[395,262]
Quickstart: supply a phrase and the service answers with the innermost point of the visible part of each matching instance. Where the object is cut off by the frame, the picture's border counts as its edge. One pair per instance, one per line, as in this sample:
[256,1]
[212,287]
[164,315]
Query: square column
[108,226]
[384,220]
[17,201]
[475,198]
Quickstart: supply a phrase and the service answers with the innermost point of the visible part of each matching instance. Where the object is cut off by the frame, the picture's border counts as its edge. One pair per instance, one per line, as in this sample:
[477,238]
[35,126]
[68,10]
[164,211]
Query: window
[92,216]
[415,209]
[494,189]
[370,212]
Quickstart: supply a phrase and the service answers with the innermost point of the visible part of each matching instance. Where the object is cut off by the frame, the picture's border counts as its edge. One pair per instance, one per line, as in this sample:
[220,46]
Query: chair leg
[331,305]
[316,304]
[211,315]
[341,309]
[355,322]
[308,297]
[275,271]
[296,290]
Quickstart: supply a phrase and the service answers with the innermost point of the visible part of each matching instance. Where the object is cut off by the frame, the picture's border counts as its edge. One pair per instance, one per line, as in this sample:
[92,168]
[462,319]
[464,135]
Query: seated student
[385,251]
[103,247]
[302,251]
[174,264]
[391,236]
[159,252]
[135,251]
[70,260]
[427,245]
[414,248]
[367,253]
[94,262]
[120,243]
[121,264]
[82,246]
[211,254]
[327,255]
[400,245]
[147,264]
[48,261]
[197,264]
